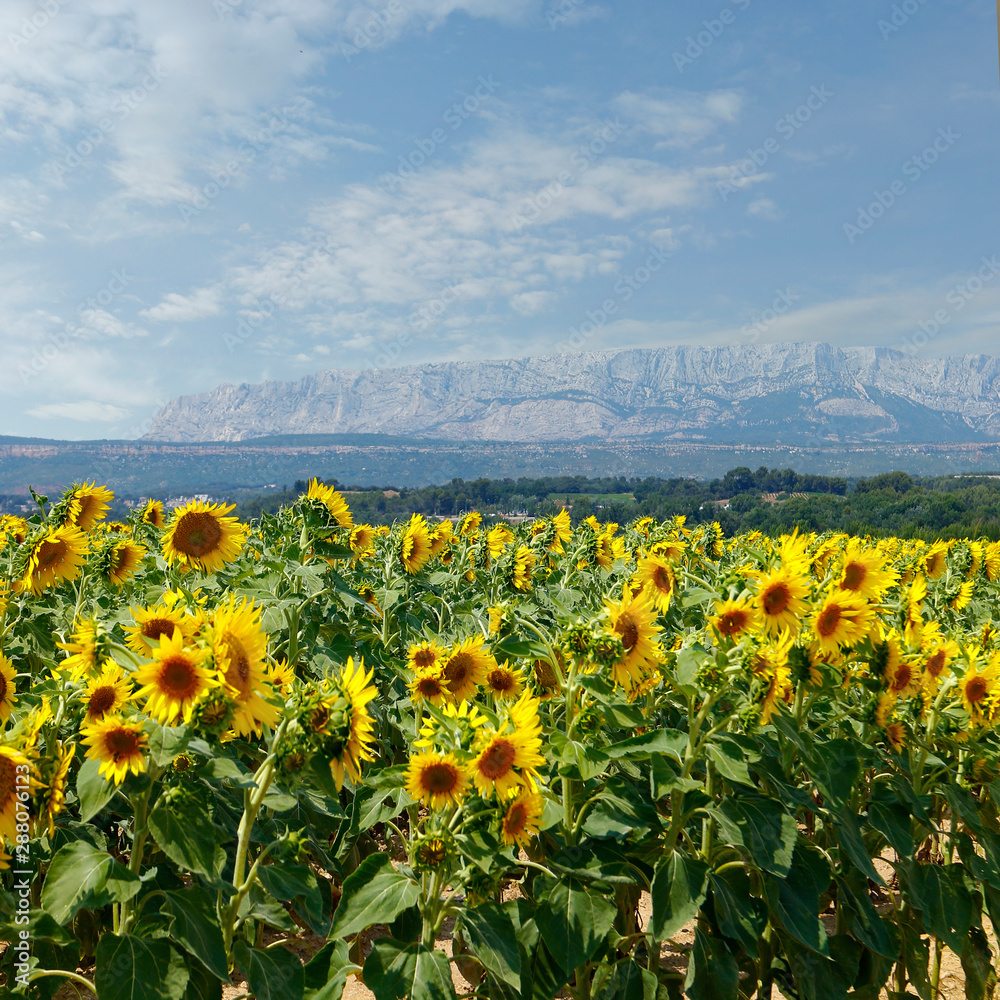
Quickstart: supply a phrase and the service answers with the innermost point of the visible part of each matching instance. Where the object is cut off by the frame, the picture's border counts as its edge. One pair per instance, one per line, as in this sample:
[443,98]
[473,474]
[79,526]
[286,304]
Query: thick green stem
[140,815]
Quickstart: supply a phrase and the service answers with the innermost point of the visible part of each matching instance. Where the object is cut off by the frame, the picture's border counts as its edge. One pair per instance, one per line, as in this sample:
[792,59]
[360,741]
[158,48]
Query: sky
[195,192]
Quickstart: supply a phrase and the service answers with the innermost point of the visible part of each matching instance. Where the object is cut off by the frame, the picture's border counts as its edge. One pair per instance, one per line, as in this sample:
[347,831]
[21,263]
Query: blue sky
[204,191]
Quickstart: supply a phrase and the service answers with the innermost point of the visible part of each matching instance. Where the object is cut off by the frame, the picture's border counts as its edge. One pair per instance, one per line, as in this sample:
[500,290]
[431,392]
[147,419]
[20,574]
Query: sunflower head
[522,819]
[203,536]
[152,514]
[120,745]
[56,556]
[328,504]
[436,780]
[8,692]
[83,505]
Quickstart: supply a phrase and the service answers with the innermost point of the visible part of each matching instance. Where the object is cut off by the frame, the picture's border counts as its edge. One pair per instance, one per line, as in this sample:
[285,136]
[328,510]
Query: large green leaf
[794,900]
[81,876]
[375,893]
[646,745]
[739,915]
[274,974]
[939,892]
[573,919]
[835,768]
[133,968]
[628,981]
[202,985]
[415,971]
[852,844]
[491,934]
[820,978]
[183,828]
[93,790]
[327,971]
[862,918]
[297,884]
[195,927]
[762,827]
[712,972]
[678,890]
[620,811]
[977,964]
[892,820]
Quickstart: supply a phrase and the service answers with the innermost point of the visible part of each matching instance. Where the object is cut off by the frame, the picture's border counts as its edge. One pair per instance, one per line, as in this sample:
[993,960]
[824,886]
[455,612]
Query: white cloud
[84,412]
[680,119]
[765,208]
[177,308]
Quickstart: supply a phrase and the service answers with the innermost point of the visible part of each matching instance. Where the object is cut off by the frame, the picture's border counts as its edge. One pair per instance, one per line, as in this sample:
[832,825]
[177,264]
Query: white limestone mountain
[764,393]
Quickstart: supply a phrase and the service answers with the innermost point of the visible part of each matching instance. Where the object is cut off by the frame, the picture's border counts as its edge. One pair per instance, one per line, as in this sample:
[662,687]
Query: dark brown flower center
[122,743]
[776,598]
[854,576]
[828,620]
[440,778]
[178,677]
[197,534]
[627,628]
[497,759]
[101,701]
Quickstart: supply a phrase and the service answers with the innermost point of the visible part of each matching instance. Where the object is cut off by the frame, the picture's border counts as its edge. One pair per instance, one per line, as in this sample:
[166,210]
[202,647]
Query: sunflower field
[599,761]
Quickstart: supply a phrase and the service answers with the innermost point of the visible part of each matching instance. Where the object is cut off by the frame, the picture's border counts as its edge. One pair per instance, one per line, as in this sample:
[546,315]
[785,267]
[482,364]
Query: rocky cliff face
[788,393]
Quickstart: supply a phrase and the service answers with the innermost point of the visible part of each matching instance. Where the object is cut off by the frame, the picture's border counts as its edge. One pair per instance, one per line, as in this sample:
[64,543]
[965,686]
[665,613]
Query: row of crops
[218,740]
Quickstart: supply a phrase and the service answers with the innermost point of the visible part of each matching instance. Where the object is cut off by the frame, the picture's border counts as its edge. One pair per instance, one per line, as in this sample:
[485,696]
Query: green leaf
[730,761]
[836,769]
[852,844]
[195,927]
[740,915]
[862,918]
[794,900]
[81,876]
[665,776]
[274,974]
[762,827]
[375,893]
[573,919]
[93,790]
[165,743]
[620,811]
[679,887]
[892,820]
[492,937]
[296,884]
[327,971]
[628,981]
[712,972]
[594,861]
[977,963]
[182,826]
[820,978]
[202,985]
[939,892]
[133,968]
[656,741]
[415,971]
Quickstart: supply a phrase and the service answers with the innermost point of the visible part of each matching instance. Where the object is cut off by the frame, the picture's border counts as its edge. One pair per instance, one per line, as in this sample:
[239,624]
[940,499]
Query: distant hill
[775,394]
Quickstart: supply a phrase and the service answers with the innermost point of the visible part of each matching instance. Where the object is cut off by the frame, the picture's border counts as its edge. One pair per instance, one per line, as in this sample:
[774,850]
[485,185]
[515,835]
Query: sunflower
[841,619]
[902,675]
[466,668]
[779,688]
[352,739]
[563,531]
[415,545]
[979,689]
[458,726]
[122,561]
[14,768]
[498,615]
[671,549]
[175,681]
[436,780]
[154,622]
[508,759]
[734,618]
[57,556]
[963,597]
[8,691]
[915,597]
[153,514]
[863,572]
[470,523]
[119,745]
[441,536]
[86,647]
[239,646]
[991,560]
[935,560]
[88,504]
[633,620]
[428,685]
[523,566]
[362,540]
[781,597]
[504,681]
[655,573]
[643,525]
[522,819]
[107,693]
[54,794]
[335,505]
[895,734]
[425,655]
[497,540]
[203,536]
[280,676]
[938,655]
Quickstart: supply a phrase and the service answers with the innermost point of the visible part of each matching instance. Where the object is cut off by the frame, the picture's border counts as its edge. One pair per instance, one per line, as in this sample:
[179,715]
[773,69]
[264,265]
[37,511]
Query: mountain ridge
[789,393]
